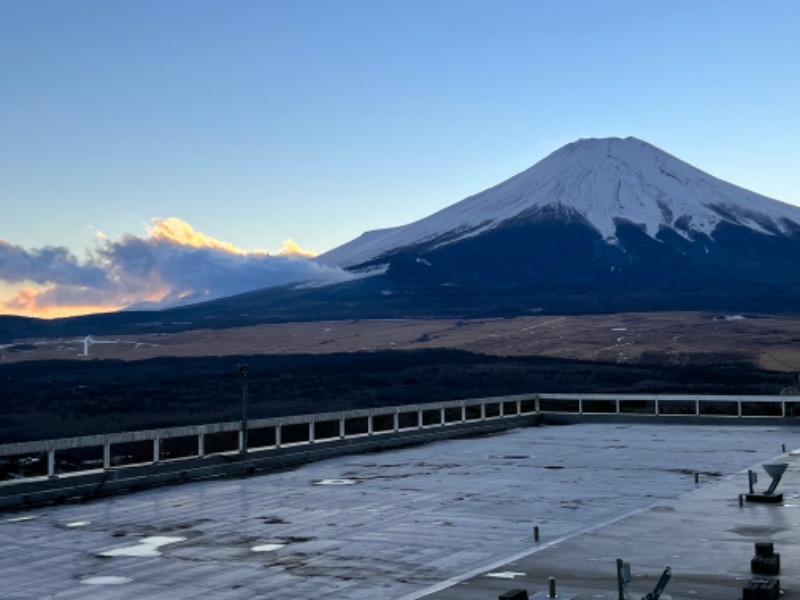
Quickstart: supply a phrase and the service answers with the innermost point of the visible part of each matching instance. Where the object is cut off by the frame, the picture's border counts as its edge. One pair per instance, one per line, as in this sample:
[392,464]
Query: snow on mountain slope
[600,181]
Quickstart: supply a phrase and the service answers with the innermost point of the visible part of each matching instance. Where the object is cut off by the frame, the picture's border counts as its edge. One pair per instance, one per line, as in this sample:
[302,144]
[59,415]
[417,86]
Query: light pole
[242,369]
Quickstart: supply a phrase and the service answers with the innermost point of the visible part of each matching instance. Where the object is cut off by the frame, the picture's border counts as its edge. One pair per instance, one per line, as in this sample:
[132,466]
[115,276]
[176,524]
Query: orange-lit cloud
[173,229]
[173,265]
[180,232]
[290,247]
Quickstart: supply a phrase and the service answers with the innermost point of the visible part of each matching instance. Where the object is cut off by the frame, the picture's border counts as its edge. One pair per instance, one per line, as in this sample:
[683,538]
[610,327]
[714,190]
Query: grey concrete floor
[432,520]
[704,536]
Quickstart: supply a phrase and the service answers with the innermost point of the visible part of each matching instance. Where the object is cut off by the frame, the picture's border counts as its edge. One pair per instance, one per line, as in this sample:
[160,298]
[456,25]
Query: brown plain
[769,342]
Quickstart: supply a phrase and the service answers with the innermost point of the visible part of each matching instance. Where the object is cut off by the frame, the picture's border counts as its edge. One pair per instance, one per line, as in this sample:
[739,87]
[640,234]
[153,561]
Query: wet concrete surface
[433,521]
[705,536]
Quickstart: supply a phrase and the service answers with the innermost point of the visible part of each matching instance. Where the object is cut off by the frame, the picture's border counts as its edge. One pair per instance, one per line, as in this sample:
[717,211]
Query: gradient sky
[254,122]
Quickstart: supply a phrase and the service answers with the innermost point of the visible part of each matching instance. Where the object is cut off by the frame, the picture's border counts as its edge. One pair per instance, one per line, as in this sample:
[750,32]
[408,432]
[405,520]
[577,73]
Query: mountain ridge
[601,180]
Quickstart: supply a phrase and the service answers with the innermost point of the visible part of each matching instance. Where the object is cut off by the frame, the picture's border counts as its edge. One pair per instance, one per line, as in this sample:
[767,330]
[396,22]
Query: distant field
[162,380]
[674,338]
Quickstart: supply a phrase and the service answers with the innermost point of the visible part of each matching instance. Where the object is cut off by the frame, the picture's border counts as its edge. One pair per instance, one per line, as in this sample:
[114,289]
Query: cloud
[181,233]
[47,265]
[291,248]
[174,264]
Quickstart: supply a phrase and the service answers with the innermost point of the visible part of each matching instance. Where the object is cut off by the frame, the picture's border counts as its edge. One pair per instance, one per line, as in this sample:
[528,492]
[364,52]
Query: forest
[53,399]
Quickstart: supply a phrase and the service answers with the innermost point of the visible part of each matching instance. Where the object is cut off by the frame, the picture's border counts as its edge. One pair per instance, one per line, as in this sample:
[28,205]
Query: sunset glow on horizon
[24,304]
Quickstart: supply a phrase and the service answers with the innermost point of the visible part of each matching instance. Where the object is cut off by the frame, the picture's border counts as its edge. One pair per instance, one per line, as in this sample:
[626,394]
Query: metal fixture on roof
[243,370]
[661,585]
[624,577]
[515,594]
[775,471]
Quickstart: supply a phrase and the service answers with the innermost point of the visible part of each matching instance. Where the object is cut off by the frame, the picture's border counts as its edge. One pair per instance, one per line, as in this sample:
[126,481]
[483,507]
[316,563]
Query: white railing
[301,429]
[660,405]
[276,433]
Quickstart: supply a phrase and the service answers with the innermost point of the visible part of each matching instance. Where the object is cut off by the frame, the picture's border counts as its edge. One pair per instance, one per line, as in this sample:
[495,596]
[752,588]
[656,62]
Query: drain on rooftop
[513,456]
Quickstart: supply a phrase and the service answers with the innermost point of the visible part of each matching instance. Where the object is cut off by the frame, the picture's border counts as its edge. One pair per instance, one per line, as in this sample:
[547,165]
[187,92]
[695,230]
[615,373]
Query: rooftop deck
[432,521]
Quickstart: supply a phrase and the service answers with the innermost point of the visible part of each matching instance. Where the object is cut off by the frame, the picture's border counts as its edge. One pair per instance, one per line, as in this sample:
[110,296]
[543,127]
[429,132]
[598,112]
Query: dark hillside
[62,399]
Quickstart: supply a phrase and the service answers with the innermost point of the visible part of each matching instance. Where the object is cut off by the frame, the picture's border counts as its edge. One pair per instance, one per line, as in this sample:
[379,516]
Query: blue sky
[255,122]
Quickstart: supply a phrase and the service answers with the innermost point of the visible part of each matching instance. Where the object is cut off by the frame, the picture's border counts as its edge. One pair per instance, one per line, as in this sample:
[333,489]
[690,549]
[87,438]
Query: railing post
[537,404]
[51,463]
[156,449]
[420,422]
[697,407]
[616,402]
[580,405]
[483,411]
[441,417]
[311,431]
[739,407]
[396,421]
[278,436]
[519,407]
[201,445]
[783,407]
[369,425]
[463,413]
[501,408]
[107,455]
[658,408]
[341,428]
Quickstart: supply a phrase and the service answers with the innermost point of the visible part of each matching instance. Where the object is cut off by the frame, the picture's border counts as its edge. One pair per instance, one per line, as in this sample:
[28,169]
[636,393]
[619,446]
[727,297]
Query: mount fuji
[599,226]
[600,183]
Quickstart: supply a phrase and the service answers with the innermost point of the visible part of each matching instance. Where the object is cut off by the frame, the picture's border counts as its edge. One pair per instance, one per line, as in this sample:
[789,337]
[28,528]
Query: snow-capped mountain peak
[599,181]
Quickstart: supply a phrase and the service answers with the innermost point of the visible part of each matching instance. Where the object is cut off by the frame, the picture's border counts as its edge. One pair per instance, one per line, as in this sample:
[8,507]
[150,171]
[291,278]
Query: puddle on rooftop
[511,456]
[21,519]
[77,524]
[106,580]
[273,520]
[267,547]
[505,575]
[335,482]
[757,531]
[146,548]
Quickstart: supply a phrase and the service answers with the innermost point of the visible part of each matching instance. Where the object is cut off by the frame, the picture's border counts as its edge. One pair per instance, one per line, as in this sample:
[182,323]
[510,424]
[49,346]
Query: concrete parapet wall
[410,424]
[89,484]
[192,430]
